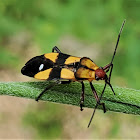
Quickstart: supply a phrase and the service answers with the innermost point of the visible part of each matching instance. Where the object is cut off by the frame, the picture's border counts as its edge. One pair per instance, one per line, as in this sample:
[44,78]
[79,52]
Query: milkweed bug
[58,66]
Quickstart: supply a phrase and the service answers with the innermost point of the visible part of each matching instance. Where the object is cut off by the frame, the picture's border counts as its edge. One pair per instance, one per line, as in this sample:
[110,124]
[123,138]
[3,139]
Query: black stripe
[55,73]
[81,78]
[61,58]
[79,66]
[88,68]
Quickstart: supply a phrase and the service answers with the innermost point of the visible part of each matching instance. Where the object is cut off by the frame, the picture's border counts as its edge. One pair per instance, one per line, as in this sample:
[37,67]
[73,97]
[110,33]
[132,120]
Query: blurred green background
[80,28]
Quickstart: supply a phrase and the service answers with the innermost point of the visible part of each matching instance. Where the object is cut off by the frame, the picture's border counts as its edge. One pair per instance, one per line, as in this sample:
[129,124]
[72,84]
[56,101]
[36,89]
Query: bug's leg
[108,81]
[110,78]
[50,86]
[107,68]
[96,97]
[47,88]
[97,105]
[94,92]
[110,87]
[82,97]
[55,48]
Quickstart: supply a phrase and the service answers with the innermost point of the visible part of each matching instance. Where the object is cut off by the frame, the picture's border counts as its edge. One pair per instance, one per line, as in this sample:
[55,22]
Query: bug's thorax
[100,74]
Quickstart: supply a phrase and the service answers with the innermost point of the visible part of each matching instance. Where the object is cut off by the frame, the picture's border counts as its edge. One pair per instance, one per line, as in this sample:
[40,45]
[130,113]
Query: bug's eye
[41,67]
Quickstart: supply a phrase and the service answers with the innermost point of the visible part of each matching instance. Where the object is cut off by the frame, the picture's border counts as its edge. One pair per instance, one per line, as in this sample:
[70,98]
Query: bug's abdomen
[55,73]
[61,58]
[52,66]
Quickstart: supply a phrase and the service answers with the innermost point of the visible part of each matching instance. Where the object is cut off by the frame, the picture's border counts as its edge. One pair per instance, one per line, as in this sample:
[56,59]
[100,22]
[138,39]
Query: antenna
[118,40]
[106,82]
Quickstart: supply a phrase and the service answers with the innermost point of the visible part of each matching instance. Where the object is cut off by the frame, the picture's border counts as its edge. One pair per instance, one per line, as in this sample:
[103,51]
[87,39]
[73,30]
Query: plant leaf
[126,100]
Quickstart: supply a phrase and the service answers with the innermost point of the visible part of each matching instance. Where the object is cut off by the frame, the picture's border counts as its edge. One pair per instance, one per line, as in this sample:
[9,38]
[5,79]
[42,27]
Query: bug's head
[100,74]
[35,65]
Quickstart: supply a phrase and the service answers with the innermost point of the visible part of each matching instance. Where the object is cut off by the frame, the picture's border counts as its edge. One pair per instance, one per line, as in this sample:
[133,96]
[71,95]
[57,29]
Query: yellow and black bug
[64,68]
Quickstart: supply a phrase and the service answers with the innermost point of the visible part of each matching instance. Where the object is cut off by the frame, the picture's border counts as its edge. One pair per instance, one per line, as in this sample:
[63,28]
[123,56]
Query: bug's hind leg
[50,86]
[47,88]
[96,97]
[55,48]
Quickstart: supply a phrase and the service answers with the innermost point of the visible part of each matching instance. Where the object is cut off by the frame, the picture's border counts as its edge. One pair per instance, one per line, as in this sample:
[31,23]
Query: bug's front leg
[96,97]
[55,48]
[82,97]
[107,68]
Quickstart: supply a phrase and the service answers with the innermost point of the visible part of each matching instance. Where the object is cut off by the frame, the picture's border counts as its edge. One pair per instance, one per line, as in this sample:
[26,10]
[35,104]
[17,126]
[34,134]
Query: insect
[64,69]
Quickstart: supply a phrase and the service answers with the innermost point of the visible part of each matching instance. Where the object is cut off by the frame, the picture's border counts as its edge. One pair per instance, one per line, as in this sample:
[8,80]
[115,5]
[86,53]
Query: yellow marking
[43,75]
[86,74]
[52,56]
[67,74]
[87,62]
[72,59]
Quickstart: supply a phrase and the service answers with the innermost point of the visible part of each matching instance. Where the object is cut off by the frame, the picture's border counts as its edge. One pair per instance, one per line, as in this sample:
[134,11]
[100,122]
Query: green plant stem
[126,100]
